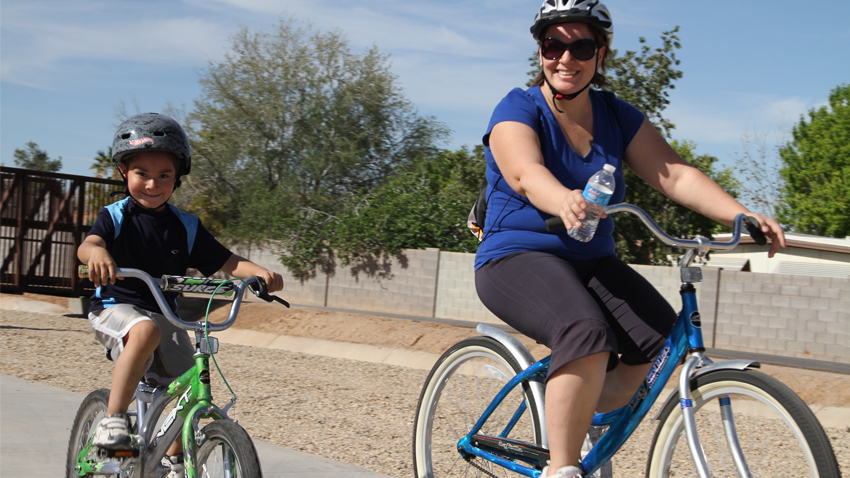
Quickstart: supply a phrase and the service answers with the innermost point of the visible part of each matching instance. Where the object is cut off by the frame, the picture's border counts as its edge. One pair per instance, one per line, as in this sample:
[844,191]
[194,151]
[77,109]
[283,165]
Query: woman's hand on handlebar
[773,230]
[572,209]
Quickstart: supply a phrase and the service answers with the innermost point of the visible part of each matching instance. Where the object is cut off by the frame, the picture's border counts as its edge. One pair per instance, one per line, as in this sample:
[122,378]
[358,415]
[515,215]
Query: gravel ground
[353,412]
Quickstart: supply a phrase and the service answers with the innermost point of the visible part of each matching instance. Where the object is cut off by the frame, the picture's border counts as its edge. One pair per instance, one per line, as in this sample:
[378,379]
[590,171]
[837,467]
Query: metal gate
[43,219]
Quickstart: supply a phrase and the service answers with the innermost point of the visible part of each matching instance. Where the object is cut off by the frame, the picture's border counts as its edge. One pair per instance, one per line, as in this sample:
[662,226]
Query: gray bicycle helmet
[565,11]
[152,132]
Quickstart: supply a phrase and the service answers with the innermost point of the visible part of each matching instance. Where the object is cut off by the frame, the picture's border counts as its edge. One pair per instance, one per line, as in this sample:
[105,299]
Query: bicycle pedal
[107,453]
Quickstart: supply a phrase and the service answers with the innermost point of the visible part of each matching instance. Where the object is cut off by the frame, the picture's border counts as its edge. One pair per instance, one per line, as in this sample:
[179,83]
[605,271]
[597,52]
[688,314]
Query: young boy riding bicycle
[145,232]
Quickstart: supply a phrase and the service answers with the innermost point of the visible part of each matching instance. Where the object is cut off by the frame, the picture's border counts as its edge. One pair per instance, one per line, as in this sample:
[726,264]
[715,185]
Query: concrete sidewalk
[35,425]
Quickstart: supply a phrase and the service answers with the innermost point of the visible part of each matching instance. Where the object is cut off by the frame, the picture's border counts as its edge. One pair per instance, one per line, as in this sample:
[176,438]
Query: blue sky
[67,65]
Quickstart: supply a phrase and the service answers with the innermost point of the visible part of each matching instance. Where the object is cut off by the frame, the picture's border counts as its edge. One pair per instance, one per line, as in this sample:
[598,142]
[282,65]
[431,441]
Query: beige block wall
[456,296]
[410,288]
[787,315]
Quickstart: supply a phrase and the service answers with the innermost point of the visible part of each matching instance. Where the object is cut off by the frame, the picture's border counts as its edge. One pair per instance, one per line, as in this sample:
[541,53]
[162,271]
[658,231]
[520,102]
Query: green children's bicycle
[221,448]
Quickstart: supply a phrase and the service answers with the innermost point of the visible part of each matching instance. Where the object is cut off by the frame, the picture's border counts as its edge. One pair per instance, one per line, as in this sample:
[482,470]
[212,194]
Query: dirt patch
[411,334]
[56,300]
[815,387]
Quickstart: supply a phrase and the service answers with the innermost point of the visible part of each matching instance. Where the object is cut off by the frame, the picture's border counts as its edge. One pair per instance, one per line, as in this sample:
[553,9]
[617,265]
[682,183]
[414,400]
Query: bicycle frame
[685,344]
[194,402]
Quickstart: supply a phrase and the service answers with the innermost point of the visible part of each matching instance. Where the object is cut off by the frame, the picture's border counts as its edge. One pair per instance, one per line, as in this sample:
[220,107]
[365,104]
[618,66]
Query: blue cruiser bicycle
[481,409]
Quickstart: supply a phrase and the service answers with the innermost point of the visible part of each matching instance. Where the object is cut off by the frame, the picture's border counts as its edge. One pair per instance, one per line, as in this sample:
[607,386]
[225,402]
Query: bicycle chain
[471,460]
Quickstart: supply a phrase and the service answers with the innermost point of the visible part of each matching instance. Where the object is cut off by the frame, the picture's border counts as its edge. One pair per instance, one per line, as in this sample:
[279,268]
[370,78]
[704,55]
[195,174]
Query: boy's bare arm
[238,266]
[101,264]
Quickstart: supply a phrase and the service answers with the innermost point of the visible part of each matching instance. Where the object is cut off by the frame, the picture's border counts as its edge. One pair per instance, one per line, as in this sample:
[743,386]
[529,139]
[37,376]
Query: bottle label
[597,195]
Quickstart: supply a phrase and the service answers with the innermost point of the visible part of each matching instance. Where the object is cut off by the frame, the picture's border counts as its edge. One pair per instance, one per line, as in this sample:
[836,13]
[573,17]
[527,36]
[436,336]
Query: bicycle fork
[694,361]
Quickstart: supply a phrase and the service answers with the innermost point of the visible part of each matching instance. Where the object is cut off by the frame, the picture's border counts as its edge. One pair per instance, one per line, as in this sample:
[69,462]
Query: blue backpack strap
[116,210]
[190,222]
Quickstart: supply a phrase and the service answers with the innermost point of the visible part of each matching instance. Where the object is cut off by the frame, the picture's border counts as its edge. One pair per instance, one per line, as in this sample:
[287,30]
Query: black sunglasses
[581,50]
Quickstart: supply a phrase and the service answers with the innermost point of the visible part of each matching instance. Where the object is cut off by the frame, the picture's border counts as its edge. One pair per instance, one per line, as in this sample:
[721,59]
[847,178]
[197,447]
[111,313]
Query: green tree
[103,165]
[35,158]
[644,79]
[289,128]
[757,165]
[423,204]
[816,169]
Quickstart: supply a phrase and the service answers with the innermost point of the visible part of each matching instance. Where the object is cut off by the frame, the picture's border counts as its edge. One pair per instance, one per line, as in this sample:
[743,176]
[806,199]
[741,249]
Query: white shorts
[172,357]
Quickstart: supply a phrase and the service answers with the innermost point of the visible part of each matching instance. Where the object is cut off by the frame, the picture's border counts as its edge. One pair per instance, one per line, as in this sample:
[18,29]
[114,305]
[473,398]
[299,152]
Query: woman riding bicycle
[603,321]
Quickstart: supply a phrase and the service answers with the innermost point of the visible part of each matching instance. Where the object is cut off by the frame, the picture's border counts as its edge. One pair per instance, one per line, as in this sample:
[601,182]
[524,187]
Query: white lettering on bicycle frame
[173,415]
[650,379]
[657,366]
[195,289]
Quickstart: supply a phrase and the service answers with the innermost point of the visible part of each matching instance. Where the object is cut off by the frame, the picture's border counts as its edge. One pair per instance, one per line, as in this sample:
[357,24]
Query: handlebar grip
[262,290]
[554,223]
[754,230]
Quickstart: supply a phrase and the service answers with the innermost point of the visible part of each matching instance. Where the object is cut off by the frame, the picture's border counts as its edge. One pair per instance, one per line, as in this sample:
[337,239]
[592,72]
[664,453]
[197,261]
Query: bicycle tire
[222,442]
[458,389]
[767,415]
[88,416]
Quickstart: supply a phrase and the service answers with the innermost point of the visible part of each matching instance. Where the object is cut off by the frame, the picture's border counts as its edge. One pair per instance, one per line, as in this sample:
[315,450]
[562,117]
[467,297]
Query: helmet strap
[557,95]
[160,208]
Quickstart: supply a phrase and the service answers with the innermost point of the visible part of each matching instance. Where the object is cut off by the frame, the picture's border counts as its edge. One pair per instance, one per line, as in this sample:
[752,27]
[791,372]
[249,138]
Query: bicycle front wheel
[91,411]
[749,424]
[459,388]
[226,451]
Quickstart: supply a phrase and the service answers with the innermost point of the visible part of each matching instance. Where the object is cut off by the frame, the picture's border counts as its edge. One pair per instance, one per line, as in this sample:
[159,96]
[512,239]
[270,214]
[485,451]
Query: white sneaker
[176,465]
[563,472]
[113,433]
[593,436]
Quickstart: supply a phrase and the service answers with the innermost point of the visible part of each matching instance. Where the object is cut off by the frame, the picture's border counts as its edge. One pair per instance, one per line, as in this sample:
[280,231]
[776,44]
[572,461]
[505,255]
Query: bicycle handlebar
[703,244]
[255,284]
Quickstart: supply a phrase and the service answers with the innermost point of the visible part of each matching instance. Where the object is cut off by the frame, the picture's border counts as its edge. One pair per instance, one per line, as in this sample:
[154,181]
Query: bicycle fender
[191,431]
[525,360]
[514,346]
[724,365]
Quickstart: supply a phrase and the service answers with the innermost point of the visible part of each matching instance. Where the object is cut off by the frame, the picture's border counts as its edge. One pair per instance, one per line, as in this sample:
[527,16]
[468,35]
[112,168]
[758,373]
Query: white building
[804,255]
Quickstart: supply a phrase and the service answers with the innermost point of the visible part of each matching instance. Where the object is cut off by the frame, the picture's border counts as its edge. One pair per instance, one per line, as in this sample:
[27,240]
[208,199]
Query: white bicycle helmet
[565,11]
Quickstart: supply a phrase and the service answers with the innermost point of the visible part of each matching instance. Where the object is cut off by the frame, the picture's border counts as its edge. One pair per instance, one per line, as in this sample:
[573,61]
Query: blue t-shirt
[157,243]
[513,224]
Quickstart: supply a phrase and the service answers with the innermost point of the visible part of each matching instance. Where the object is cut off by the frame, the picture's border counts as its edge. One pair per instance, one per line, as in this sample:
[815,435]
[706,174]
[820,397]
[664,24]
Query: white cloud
[707,122]
[40,43]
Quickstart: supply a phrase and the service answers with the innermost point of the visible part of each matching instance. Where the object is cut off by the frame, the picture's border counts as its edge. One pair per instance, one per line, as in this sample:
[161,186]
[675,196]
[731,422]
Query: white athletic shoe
[176,465]
[593,436]
[113,433]
[563,472]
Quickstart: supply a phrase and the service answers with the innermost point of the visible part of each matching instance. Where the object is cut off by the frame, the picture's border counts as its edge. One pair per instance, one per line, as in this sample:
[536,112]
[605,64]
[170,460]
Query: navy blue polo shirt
[157,243]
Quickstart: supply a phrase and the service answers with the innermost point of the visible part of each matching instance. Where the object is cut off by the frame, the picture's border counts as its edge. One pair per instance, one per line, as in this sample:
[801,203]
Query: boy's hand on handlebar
[274,281]
[102,267]
[773,230]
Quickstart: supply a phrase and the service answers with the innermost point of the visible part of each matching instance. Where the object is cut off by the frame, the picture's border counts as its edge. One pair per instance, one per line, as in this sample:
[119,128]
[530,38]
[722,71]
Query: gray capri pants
[578,308]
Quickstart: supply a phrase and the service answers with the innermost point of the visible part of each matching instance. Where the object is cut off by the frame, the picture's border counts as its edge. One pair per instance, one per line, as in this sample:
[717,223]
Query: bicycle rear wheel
[775,431]
[227,451]
[459,388]
[91,411]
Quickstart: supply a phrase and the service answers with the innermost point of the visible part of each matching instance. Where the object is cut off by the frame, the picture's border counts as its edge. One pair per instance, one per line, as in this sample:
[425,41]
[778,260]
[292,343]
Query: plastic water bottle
[597,193]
